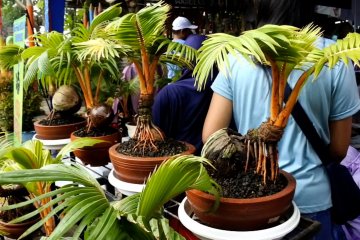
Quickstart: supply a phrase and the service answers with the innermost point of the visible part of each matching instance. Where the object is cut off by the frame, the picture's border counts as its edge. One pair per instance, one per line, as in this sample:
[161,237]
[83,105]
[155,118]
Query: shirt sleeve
[222,86]
[345,94]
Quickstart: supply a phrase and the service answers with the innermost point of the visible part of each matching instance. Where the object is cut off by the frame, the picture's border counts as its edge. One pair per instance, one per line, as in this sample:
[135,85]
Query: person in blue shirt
[181,29]
[329,102]
[180,109]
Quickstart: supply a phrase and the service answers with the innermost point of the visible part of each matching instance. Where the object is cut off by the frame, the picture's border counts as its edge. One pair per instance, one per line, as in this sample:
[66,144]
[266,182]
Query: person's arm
[340,134]
[218,116]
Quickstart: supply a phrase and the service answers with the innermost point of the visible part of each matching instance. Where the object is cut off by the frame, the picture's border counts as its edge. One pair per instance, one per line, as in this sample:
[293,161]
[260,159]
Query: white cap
[182,23]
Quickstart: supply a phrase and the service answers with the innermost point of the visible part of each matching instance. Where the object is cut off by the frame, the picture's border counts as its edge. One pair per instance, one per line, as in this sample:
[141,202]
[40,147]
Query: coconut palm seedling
[65,102]
[59,58]
[84,207]
[284,49]
[143,44]
[31,155]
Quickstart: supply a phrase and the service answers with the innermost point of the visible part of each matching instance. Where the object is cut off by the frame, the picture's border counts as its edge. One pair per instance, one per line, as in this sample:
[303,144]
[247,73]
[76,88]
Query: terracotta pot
[15,230]
[56,132]
[97,155]
[137,169]
[243,214]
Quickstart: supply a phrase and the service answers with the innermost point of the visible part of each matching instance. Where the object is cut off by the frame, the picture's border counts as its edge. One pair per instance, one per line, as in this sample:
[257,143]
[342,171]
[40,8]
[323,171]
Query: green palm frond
[123,30]
[30,155]
[80,34]
[82,205]
[151,21]
[177,53]
[51,40]
[107,15]
[98,49]
[344,49]
[6,144]
[279,43]
[143,27]
[10,55]
[173,177]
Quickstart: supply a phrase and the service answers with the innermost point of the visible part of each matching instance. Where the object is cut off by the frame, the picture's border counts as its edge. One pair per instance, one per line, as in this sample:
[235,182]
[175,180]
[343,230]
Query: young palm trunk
[146,132]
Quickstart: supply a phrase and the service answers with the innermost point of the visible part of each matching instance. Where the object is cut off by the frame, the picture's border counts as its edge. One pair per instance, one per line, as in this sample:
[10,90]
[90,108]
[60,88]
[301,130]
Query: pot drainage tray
[286,224]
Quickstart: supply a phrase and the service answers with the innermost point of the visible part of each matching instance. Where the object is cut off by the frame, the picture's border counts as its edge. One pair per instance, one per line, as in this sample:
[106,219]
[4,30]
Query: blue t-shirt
[333,96]
[172,68]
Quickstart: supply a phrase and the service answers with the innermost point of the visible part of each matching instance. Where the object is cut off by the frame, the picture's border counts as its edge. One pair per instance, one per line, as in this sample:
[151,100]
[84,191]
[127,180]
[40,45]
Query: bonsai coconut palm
[141,35]
[284,49]
[59,59]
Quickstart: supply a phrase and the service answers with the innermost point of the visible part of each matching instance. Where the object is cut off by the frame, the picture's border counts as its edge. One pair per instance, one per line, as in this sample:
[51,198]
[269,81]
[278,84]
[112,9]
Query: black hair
[285,12]
[185,30]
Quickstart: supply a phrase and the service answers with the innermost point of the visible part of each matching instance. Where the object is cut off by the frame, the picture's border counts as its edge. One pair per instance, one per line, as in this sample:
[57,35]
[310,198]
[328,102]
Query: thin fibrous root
[272,162]
[247,155]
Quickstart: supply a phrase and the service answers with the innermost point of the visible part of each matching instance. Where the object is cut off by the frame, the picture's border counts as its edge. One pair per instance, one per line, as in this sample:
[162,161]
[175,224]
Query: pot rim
[287,190]
[116,154]
[115,134]
[63,125]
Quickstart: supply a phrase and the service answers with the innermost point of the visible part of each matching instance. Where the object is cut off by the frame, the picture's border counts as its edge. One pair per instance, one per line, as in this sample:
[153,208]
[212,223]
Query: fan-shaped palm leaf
[82,204]
[10,55]
[279,43]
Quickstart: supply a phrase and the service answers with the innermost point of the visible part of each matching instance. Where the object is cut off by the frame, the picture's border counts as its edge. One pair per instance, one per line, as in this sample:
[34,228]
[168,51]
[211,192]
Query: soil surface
[235,183]
[168,147]
[95,132]
[56,121]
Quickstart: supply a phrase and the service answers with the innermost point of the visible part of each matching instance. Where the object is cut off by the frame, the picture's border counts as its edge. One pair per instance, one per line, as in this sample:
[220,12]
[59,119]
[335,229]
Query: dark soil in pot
[236,183]
[95,132]
[13,194]
[168,147]
[62,120]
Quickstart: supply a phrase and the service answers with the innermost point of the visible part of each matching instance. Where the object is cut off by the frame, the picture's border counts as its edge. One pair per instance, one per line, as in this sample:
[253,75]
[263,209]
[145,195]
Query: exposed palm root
[146,132]
[258,148]
[51,115]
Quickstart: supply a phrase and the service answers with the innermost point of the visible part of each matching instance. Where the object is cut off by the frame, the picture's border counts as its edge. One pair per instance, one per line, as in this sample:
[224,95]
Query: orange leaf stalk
[97,93]
[87,79]
[282,84]
[142,80]
[153,68]
[274,105]
[283,117]
[82,86]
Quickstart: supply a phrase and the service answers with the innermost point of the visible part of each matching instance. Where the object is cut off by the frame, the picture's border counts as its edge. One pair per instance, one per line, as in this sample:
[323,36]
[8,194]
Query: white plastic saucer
[125,188]
[206,233]
[55,144]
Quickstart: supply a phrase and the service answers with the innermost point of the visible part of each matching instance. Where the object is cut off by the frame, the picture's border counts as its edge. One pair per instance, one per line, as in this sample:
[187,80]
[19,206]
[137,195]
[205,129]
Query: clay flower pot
[137,169]
[56,132]
[243,214]
[14,230]
[97,155]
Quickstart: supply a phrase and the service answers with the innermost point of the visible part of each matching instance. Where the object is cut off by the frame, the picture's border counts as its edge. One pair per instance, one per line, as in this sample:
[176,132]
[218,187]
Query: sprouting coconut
[66,101]
[99,116]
